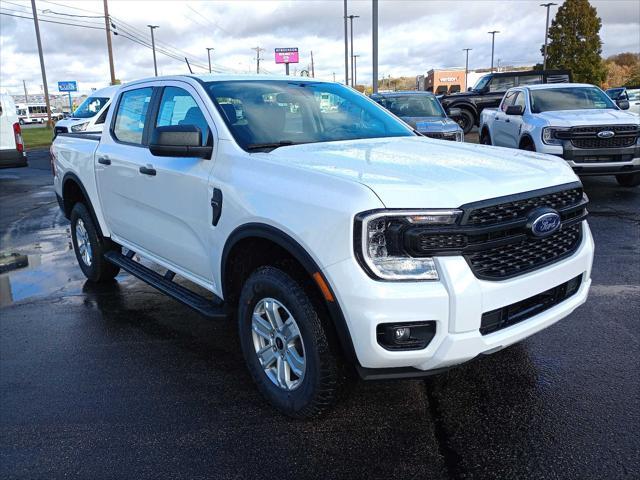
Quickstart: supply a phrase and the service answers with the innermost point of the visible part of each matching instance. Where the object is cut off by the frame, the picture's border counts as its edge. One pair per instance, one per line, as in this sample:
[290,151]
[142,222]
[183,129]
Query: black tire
[628,179]
[466,120]
[21,122]
[322,379]
[528,145]
[98,270]
[485,138]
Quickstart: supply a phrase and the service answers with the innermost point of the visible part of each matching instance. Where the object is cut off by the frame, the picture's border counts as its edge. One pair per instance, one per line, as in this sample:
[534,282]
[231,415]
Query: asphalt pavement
[119,381]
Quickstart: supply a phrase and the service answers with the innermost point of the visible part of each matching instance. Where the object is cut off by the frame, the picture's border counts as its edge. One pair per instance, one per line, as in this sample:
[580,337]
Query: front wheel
[628,179]
[466,120]
[90,247]
[286,345]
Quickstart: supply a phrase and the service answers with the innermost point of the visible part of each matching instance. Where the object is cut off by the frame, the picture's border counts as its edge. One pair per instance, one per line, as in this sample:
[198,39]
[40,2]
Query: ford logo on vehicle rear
[544,221]
[606,134]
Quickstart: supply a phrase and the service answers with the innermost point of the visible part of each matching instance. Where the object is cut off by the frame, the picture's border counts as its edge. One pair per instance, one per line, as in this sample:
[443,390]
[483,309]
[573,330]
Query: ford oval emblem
[544,221]
[606,134]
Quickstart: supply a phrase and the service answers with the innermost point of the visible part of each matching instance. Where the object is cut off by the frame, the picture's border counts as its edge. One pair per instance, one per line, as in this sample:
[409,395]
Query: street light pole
[493,42]
[209,57]
[546,33]
[44,74]
[355,70]
[153,47]
[351,17]
[466,68]
[374,38]
[346,47]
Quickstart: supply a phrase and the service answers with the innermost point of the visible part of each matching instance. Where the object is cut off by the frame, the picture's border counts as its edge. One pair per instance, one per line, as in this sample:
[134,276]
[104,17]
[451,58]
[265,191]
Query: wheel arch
[73,191]
[266,233]
[525,139]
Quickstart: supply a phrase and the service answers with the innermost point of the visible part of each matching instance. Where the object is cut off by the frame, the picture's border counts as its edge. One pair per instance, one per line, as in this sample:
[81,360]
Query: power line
[52,21]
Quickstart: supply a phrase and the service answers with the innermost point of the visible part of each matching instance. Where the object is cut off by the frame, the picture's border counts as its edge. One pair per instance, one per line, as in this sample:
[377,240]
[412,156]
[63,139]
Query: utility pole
[258,50]
[153,47]
[493,42]
[546,33]
[209,56]
[26,96]
[466,68]
[351,17]
[334,76]
[107,24]
[313,71]
[355,70]
[44,74]
[374,39]
[346,47]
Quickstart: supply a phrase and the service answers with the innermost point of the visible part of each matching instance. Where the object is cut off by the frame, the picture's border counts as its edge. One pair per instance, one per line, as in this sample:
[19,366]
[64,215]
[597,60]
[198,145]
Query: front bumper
[456,303]
[598,161]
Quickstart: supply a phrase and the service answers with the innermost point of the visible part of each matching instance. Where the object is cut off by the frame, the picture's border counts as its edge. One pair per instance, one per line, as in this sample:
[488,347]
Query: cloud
[414,36]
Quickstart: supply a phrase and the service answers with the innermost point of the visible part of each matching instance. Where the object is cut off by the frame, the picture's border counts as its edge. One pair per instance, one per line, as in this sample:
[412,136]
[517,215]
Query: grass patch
[39,137]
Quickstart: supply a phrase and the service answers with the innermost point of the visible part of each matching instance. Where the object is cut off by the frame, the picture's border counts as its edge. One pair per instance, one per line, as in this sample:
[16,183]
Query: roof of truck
[545,86]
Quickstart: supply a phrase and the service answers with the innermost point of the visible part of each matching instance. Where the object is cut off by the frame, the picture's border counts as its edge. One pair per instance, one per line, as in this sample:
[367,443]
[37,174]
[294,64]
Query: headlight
[380,248]
[551,135]
[81,127]
[460,136]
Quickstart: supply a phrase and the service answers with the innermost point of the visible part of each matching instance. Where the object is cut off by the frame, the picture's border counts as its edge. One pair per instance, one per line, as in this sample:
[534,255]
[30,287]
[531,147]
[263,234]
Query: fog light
[405,336]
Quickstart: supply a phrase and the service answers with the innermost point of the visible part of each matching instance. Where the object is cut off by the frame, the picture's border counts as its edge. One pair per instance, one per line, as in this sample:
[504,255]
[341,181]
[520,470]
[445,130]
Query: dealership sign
[68,86]
[287,55]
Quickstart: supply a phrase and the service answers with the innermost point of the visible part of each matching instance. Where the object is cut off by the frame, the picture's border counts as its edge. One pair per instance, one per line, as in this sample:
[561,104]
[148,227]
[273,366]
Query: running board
[213,309]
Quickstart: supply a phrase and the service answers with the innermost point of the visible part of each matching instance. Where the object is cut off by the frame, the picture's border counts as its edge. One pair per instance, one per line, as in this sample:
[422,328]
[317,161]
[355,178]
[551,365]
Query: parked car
[422,111]
[90,115]
[339,239]
[577,122]
[12,152]
[630,94]
[489,90]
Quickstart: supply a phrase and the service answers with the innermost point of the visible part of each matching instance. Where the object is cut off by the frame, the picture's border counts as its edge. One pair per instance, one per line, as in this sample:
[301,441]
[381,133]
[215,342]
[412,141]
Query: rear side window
[178,107]
[132,115]
[502,84]
[529,80]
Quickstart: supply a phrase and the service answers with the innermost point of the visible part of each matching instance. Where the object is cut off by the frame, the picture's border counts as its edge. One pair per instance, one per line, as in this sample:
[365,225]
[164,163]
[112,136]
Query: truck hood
[570,118]
[418,172]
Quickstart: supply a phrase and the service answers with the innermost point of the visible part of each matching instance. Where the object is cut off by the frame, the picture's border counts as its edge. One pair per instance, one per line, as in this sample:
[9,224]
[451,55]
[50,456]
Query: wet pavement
[122,382]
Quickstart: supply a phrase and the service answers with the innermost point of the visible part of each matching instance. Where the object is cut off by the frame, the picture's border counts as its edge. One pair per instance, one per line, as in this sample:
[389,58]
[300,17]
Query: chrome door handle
[104,161]
[148,171]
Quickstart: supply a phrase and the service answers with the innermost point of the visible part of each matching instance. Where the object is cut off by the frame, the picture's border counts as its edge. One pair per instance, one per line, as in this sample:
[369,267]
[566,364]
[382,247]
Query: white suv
[336,236]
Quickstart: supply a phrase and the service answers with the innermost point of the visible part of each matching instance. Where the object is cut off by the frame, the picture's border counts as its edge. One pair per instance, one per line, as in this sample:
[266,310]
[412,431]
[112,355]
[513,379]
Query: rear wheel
[628,179]
[286,345]
[90,247]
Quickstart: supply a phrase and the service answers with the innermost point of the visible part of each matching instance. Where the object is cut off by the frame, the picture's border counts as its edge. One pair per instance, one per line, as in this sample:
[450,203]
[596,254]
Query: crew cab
[489,90]
[337,238]
[577,122]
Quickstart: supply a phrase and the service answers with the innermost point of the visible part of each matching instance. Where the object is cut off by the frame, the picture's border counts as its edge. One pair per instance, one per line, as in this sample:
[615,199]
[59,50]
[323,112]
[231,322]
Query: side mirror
[454,112]
[179,141]
[470,89]
[514,110]
[623,104]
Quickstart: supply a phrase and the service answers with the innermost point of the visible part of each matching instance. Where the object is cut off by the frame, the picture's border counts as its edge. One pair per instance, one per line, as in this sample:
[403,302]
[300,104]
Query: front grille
[603,158]
[61,130]
[495,238]
[529,254]
[587,137]
[517,312]
[518,209]
[614,142]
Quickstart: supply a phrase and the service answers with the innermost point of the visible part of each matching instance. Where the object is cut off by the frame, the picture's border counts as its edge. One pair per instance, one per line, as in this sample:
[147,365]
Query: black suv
[489,90]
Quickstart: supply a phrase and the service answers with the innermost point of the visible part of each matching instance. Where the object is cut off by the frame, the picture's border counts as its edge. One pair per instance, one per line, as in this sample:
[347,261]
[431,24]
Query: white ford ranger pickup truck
[577,122]
[338,239]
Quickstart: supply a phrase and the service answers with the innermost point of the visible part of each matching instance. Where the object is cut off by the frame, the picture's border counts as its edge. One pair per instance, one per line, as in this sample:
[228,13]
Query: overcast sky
[414,36]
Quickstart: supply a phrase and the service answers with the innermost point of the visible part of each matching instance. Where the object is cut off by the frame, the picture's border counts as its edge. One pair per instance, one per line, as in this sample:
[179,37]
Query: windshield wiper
[272,145]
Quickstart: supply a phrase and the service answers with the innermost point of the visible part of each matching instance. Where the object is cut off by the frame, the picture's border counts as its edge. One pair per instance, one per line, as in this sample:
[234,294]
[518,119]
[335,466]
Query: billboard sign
[71,86]
[287,55]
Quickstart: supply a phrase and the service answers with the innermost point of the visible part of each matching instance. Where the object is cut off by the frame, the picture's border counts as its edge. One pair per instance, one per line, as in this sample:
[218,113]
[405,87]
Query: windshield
[482,82]
[570,98]
[90,107]
[615,92]
[413,106]
[268,113]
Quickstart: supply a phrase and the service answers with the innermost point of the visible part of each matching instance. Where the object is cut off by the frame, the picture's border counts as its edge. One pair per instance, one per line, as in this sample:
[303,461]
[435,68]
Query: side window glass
[102,117]
[519,100]
[132,115]
[502,84]
[178,107]
[508,100]
[529,80]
